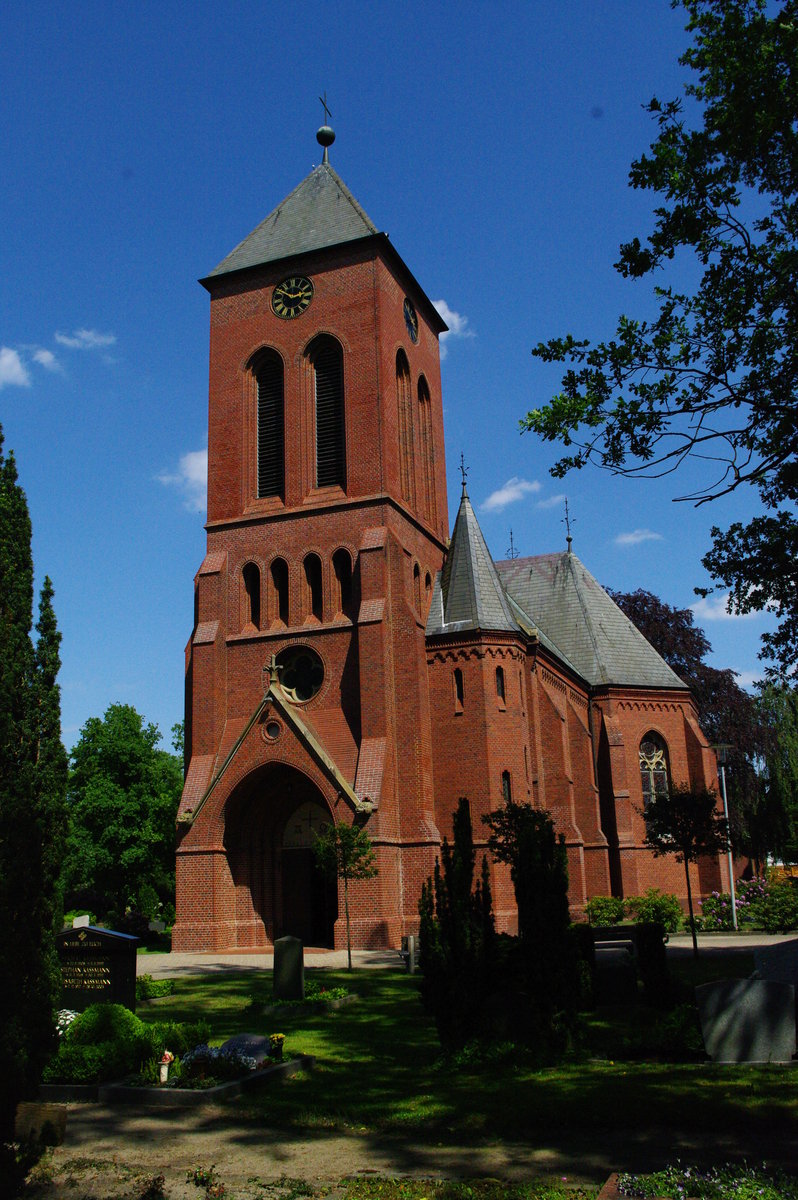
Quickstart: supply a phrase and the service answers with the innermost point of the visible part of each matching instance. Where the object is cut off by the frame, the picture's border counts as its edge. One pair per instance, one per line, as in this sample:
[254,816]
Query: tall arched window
[500,692]
[342,570]
[653,767]
[278,598]
[271,425]
[427,456]
[313,591]
[405,418]
[251,579]
[417,587]
[507,788]
[327,362]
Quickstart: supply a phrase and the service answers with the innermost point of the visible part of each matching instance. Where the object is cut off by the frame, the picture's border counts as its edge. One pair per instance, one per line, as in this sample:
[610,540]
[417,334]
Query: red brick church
[349,660]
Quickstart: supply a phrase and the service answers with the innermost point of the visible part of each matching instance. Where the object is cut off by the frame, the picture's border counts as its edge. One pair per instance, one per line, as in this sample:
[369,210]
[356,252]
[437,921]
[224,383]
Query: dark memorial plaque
[97,966]
[288,981]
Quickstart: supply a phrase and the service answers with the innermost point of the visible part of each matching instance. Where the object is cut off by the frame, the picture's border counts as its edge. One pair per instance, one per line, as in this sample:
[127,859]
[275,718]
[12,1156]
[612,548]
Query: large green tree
[32,785]
[123,796]
[713,375]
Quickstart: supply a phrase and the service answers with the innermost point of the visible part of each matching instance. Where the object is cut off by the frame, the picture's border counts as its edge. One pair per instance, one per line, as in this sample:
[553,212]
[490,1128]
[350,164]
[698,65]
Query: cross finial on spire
[568,522]
[326,135]
[464,472]
[512,552]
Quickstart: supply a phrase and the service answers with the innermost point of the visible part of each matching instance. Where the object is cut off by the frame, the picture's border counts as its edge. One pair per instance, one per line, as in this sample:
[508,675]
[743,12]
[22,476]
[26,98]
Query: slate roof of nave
[583,622]
[320,212]
[552,597]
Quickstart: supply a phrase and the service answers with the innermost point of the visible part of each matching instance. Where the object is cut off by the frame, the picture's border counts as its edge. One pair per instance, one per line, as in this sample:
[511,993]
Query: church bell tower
[306,685]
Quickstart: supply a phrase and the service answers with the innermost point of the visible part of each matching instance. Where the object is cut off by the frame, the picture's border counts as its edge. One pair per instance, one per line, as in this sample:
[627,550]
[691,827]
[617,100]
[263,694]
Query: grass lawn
[379,1070]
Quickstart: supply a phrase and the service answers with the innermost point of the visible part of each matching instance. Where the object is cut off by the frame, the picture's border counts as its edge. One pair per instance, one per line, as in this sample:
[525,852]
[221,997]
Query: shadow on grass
[379,1076]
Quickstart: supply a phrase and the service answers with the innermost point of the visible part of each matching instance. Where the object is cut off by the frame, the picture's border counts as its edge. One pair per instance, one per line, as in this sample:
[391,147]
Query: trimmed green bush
[604,910]
[655,905]
[148,988]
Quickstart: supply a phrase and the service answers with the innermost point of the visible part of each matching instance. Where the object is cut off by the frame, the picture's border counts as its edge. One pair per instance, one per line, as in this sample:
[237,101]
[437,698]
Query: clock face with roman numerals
[291,297]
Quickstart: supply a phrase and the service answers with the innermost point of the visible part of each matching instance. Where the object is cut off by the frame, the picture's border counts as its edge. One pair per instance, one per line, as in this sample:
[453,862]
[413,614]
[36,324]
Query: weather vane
[326,135]
[512,552]
[568,522]
[463,471]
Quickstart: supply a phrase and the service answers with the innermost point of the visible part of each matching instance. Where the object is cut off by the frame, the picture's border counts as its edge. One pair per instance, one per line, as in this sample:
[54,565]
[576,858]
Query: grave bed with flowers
[109,1054]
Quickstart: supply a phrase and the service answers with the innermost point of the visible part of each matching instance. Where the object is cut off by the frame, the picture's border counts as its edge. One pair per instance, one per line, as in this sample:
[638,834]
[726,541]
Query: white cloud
[85,339]
[514,489]
[191,478]
[458,324]
[12,369]
[552,501]
[637,536]
[46,359]
[714,608]
[748,679]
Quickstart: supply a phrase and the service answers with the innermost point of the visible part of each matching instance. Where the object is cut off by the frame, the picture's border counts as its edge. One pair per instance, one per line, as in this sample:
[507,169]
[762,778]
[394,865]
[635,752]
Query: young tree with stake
[345,852]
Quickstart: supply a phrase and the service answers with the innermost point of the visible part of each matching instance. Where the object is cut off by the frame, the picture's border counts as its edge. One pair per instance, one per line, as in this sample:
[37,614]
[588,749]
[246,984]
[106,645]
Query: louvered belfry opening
[271,426]
[328,371]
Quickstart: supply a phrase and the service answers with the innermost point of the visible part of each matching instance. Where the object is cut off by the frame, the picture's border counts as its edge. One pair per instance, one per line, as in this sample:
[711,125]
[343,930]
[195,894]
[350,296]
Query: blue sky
[141,142]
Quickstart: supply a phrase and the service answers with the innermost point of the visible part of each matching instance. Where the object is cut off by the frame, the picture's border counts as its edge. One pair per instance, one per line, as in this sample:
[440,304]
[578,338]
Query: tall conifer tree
[32,788]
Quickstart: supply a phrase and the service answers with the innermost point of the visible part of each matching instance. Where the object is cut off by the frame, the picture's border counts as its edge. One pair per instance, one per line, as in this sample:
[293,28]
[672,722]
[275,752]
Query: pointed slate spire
[468,592]
[320,212]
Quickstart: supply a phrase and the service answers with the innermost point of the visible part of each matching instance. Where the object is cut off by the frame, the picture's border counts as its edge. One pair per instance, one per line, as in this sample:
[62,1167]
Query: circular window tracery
[301,673]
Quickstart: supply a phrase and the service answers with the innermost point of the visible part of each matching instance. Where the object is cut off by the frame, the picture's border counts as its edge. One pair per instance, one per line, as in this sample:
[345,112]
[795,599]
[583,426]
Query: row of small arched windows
[501,689]
[325,360]
[266,601]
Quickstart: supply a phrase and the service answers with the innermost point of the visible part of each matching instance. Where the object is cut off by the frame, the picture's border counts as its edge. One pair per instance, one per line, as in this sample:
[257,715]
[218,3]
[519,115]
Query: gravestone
[97,966]
[289,969]
[778,963]
[747,1020]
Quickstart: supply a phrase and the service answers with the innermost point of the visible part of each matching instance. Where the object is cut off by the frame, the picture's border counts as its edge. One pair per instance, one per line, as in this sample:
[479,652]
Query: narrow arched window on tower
[405,420]
[417,587]
[459,692]
[427,455]
[500,686]
[251,580]
[271,425]
[507,788]
[278,598]
[342,570]
[327,361]
[313,590]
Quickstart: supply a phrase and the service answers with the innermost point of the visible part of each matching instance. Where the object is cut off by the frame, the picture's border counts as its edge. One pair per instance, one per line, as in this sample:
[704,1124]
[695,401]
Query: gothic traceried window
[653,767]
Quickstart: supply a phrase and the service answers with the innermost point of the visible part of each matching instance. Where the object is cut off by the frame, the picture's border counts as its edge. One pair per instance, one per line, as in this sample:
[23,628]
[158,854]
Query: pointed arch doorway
[309,898]
[269,828]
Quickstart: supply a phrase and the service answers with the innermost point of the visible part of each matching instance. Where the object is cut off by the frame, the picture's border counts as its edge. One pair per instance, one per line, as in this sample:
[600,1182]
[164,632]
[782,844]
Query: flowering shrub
[717,1183]
[63,1019]
[716,912]
[771,905]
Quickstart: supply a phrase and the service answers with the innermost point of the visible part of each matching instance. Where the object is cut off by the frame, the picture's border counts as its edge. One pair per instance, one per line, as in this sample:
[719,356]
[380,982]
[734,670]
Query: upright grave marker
[97,966]
[289,969]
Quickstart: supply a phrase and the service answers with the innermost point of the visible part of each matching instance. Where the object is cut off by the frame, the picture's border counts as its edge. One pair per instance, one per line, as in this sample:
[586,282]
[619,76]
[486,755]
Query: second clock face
[291,297]
[411,320]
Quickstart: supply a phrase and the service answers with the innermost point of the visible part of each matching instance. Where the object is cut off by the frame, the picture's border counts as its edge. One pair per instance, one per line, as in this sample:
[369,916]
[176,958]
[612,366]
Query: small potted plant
[167,1059]
[276,1045]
